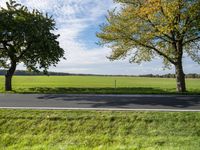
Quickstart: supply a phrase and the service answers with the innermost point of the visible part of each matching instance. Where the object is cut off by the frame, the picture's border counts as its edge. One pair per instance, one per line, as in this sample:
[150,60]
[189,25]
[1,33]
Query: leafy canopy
[148,28]
[27,36]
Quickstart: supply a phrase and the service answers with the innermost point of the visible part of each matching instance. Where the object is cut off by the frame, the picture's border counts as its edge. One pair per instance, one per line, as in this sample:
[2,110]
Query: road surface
[100,102]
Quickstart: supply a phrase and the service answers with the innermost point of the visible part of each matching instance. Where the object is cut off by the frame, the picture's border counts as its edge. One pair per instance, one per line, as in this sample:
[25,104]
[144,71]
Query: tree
[27,37]
[145,29]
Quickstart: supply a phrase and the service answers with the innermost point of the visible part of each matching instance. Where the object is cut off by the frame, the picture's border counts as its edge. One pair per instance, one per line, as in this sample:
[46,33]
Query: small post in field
[115,84]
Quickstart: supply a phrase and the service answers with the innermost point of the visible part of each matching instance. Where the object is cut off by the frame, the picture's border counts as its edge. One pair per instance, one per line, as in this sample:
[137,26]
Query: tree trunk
[180,77]
[8,83]
[8,77]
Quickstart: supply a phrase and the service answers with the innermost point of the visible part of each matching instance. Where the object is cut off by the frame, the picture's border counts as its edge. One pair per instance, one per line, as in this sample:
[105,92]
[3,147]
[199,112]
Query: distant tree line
[27,73]
[189,75]
[32,73]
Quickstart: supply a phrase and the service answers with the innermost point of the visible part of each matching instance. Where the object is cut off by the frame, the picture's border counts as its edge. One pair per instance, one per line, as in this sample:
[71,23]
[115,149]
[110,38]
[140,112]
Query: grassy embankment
[97,84]
[57,130]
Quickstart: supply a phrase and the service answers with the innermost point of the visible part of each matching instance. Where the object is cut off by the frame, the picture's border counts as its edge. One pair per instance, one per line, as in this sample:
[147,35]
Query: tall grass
[59,130]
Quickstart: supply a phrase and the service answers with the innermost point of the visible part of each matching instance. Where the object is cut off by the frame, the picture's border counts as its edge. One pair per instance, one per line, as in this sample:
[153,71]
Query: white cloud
[3,3]
[73,17]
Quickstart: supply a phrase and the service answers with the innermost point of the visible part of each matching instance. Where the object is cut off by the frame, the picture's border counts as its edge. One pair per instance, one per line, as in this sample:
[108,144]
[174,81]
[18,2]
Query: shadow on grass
[127,90]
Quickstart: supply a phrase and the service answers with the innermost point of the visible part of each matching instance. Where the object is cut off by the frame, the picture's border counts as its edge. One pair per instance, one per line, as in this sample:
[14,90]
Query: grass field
[60,130]
[97,84]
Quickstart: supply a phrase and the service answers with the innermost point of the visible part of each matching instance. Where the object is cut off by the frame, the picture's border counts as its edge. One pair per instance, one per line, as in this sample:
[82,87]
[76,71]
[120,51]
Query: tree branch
[24,51]
[155,49]
[191,40]
[5,45]
[156,29]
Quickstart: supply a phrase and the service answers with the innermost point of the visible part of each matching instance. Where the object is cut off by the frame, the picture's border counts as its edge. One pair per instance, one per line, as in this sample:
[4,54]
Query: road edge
[101,109]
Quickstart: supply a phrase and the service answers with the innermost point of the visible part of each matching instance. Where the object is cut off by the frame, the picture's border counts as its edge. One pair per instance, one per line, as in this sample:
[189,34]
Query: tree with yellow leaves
[145,29]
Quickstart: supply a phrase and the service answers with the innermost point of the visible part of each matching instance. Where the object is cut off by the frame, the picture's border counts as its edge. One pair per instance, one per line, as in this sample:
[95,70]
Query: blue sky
[77,22]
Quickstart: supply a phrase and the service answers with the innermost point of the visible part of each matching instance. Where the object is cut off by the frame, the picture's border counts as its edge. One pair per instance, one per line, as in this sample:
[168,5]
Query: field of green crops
[97,84]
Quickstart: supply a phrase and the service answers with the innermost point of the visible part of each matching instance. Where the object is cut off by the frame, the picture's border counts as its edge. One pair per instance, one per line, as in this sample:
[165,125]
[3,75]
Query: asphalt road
[83,101]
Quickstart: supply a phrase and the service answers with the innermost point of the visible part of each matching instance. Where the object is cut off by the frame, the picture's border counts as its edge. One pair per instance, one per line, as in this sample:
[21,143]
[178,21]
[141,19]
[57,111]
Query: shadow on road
[147,101]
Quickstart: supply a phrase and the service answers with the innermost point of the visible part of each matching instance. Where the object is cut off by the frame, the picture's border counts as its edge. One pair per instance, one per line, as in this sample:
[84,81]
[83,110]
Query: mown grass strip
[97,85]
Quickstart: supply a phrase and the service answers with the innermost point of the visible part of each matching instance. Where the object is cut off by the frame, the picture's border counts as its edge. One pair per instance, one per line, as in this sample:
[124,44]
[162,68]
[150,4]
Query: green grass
[60,130]
[97,84]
